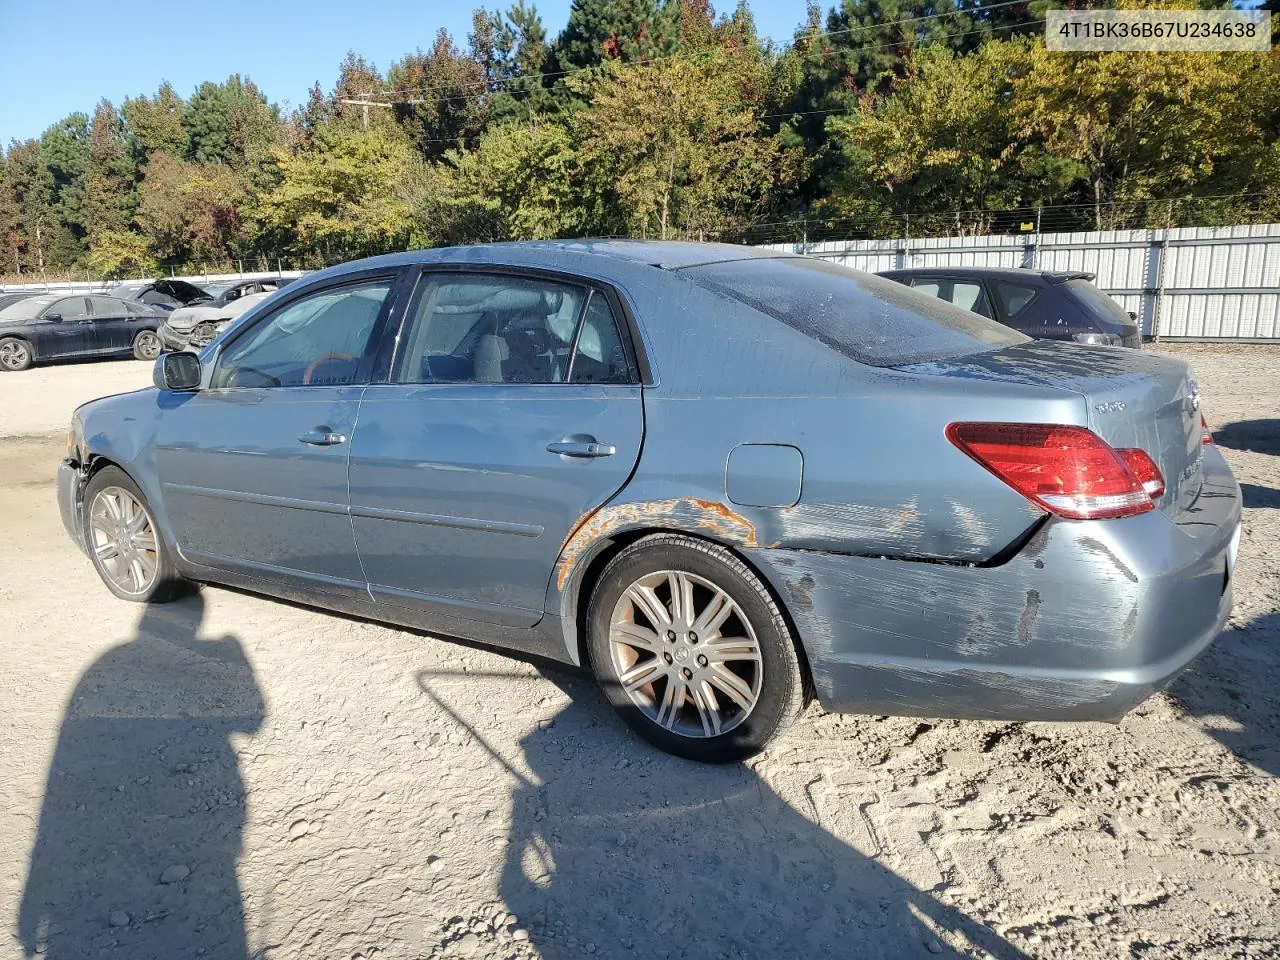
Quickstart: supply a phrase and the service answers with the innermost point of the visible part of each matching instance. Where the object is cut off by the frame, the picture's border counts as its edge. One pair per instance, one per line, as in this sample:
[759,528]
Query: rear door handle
[582,448]
[322,437]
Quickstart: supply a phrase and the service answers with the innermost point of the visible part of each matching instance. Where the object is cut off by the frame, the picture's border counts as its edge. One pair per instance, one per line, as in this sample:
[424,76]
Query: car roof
[995,273]
[565,254]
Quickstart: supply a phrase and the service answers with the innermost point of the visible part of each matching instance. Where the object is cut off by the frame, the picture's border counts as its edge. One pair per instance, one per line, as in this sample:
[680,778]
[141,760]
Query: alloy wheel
[147,345]
[14,355]
[685,654]
[123,540]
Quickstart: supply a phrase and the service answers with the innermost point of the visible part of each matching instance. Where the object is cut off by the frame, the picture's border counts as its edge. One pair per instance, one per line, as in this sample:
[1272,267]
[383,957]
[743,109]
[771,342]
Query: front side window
[871,319]
[490,328]
[71,308]
[319,340]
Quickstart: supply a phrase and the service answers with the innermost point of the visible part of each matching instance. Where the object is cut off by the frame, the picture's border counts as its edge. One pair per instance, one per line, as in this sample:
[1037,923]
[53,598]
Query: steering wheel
[323,358]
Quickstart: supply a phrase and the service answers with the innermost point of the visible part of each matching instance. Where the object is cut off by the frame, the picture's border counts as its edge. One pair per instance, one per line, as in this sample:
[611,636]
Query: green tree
[515,55]
[192,211]
[439,97]
[628,30]
[229,122]
[64,166]
[342,198]
[154,123]
[110,191]
[675,147]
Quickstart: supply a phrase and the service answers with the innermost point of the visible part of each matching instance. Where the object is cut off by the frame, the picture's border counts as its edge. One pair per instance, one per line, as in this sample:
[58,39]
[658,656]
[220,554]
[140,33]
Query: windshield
[868,318]
[26,309]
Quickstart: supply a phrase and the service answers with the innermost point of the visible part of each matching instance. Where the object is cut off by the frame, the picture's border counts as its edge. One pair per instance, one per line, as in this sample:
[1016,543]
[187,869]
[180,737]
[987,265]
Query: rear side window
[868,318]
[963,293]
[1013,297]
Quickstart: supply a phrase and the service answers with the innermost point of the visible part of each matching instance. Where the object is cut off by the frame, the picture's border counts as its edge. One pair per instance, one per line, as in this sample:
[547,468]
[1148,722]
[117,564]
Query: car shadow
[1256,496]
[1232,687]
[619,850]
[1258,436]
[141,822]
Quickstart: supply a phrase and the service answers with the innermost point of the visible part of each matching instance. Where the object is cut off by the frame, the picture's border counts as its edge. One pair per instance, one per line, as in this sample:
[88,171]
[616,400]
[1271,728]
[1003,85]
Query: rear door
[114,323]
[512,410]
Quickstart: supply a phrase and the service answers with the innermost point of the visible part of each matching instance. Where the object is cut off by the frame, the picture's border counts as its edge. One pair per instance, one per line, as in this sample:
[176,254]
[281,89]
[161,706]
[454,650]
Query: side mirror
[55,317]
[177,372]
[1133,315]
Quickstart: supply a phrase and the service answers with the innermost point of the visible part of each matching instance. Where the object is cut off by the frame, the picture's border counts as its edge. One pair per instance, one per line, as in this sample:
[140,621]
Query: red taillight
[1206,436]
[1145,469]
[1068,470]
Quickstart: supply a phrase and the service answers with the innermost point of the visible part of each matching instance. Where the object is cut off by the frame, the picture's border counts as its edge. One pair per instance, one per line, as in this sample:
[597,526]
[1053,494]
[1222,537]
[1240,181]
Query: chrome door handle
[583,448]
[322,437]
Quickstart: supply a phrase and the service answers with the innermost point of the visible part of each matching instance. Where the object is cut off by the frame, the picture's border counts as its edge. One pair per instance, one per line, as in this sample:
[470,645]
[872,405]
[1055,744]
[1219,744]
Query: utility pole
[364,106]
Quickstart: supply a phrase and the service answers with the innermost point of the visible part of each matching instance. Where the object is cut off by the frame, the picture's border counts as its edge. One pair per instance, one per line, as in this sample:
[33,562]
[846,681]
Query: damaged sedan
[726,480]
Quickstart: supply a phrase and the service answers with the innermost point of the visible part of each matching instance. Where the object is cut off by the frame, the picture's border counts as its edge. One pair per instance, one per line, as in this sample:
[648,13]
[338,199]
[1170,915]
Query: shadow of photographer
[618,850]
[140,827]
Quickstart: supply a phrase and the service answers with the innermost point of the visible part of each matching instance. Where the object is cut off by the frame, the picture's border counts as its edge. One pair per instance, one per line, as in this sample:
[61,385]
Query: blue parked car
[725,479]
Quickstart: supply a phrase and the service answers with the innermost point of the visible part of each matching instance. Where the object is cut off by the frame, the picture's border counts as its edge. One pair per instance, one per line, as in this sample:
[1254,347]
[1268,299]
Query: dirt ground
[232,776]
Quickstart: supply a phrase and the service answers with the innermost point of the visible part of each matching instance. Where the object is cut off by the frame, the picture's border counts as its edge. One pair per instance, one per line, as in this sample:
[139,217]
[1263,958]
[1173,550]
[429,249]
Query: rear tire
[691,650]
[15,354]
[147,345]
[124,543]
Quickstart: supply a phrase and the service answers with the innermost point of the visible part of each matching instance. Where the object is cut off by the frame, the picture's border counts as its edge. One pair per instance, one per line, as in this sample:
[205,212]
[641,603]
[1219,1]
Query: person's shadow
[618,850]
[144,806]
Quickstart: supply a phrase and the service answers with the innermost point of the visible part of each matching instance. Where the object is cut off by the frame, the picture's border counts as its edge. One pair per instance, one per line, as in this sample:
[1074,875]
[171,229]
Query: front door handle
[582,447]
[322,437]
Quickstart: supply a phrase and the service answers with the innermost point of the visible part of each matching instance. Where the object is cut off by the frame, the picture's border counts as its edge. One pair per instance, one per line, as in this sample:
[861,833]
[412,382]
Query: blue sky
[58,56]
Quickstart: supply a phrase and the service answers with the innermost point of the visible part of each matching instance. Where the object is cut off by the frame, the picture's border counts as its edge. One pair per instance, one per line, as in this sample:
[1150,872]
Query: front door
[253,467]
[495,437]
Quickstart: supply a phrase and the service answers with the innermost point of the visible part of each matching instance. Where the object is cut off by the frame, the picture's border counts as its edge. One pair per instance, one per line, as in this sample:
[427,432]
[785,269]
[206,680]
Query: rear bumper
[70,500]
[1084,623]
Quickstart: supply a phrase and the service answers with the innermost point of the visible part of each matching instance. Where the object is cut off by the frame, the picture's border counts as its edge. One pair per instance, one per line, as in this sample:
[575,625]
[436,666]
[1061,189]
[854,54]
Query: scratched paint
[687,513]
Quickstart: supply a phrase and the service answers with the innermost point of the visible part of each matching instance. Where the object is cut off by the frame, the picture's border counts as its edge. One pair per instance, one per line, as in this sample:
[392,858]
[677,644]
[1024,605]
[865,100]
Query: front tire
[15,354]
[147,345]
[124,542]
[691,650]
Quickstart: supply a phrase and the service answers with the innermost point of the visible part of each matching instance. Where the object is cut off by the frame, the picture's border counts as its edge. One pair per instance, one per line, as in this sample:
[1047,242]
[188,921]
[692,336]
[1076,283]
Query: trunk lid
[1133,399]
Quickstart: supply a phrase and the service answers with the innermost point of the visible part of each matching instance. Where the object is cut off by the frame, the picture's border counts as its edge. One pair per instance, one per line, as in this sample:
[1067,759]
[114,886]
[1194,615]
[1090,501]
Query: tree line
[655,118]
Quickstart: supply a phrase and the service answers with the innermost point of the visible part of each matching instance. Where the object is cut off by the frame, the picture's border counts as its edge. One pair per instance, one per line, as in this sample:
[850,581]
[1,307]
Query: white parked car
[192,327]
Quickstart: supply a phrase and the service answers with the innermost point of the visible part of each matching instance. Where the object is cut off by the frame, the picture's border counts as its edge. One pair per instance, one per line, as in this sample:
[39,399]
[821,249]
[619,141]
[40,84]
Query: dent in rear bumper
[1083,624]
[70,496]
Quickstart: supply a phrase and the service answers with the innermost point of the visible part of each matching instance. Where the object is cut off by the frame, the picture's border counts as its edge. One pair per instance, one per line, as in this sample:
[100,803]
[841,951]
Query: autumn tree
[439,97]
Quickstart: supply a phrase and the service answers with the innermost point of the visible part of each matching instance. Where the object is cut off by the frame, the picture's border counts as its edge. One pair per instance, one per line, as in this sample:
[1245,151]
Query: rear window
[868,318]
[1098,304]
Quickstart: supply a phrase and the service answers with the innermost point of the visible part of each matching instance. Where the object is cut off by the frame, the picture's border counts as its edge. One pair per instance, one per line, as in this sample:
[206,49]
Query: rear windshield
[869,318]
[1098,304]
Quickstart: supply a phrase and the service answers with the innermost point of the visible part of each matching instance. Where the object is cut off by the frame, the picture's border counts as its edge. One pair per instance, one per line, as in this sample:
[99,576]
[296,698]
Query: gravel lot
[233,776]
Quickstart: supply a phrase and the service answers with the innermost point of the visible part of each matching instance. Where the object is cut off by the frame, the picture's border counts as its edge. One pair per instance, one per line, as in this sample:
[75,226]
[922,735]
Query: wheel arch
[591,565]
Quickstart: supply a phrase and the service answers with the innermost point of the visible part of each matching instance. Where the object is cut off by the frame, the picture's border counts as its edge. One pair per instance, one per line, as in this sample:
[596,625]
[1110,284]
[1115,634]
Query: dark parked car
[7,299]
[55,326]
[1039,303]
[721,477]
[168,294]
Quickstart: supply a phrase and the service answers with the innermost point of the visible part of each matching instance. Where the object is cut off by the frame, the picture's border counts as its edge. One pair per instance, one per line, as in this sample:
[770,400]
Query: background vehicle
[720,476]
[1041,304]
[196,325]
[57,327]
[167,293]
[10,298]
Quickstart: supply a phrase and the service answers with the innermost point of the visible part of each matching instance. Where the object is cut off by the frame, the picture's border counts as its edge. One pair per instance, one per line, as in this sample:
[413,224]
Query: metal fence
[1184,283]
